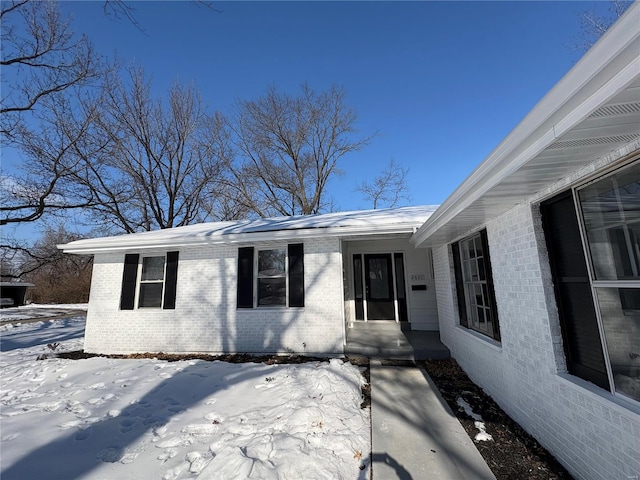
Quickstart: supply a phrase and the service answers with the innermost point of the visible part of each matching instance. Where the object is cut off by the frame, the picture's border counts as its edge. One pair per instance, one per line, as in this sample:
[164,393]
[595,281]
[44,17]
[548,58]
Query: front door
[378,276]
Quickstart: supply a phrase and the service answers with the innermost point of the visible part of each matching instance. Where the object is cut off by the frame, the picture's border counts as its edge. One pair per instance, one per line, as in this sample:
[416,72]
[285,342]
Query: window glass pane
[272,291]
[485,295]
[152,268]
[464,248]
[620,310]
[271,263]
[474,317]
[481,320]
[478,291]
[150,295]
[481,273]
[478,243]
[611,213]
[467,271]
[474,270]
[380,287]
[357,273]
[399,264]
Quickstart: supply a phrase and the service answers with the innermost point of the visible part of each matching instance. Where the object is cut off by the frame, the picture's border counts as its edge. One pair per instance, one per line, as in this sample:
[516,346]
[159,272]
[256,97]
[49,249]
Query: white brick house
[289,284]
[530,270]
[537,264]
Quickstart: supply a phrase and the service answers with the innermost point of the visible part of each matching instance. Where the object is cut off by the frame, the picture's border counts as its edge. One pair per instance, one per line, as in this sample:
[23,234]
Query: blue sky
[441,82]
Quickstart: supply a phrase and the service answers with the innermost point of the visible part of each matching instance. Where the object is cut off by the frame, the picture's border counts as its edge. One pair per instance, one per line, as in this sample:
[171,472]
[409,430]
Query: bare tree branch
[594,25]
[388,188]
[40,58]
[160,164]
[287,148]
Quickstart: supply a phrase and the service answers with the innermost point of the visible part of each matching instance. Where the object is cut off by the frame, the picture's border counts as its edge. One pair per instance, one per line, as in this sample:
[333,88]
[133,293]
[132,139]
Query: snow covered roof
[391,221]
[592,111]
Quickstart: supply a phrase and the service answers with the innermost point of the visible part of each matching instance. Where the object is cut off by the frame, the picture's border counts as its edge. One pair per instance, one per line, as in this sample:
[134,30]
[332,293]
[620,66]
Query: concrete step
[379,325]
[395,345]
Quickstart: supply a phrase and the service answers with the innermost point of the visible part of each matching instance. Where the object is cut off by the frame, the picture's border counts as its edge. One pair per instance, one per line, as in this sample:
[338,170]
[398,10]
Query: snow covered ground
[149,419]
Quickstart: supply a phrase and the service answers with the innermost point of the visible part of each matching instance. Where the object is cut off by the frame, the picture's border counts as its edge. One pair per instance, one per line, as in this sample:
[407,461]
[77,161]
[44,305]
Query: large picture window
[598,294]
[474,285]
[610,209]
[275,275]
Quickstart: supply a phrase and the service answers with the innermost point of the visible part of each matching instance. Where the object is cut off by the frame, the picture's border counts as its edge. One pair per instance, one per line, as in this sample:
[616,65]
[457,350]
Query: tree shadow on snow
[113,439]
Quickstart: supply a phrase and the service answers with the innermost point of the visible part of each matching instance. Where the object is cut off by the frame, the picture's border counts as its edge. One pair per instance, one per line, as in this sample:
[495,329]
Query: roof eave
[549,119]
[254,237]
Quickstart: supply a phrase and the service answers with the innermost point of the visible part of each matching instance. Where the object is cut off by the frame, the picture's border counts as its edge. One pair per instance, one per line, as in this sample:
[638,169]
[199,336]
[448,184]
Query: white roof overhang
[593,110]
[347,225]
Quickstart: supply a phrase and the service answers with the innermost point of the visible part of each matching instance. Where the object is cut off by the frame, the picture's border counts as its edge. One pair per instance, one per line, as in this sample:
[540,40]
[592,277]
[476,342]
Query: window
[272,277]
[474,285]
[276,275]
[598,294]
[151,280]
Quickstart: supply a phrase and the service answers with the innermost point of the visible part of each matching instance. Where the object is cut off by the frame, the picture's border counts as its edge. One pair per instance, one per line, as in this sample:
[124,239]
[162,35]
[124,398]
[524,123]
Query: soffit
[593,111]
[610,127]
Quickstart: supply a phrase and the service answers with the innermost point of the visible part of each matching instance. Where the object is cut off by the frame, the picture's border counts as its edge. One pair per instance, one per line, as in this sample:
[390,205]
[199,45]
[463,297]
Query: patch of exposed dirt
[512,453]
[229,358]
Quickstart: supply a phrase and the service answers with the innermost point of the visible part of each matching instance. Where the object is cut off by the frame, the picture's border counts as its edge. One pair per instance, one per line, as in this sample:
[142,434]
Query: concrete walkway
[415,436]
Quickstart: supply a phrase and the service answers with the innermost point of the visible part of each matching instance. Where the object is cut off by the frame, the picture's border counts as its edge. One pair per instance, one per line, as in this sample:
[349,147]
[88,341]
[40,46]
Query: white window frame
[257,276]
[140,281]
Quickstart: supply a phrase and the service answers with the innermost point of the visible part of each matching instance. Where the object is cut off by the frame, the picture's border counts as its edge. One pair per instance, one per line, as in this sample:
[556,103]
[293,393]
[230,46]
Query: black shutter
[492,294]
[457,267]
[245,277]
[170,281]
[129,277]
[583,348]
[296,274]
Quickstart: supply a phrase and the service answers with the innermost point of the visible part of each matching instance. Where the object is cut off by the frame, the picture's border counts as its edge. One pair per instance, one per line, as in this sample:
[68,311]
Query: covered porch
[389,340]
[390,302]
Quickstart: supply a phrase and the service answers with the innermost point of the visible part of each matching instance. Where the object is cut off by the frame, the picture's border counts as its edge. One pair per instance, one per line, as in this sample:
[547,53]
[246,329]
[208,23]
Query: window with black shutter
[593,239]
[149,281]
[271,277]
[582,344]
[474,285]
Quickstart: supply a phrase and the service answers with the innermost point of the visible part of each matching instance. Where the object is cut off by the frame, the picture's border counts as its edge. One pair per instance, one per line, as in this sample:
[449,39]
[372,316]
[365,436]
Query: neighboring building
[13,294]
[537,264]
[289,284]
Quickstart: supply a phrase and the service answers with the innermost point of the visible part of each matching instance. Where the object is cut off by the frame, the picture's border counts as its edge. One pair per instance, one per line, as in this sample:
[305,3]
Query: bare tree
[45,182]
[593,25]
[160,164]
[44,66]
[58,277]
[388,188]
[281,151]
[41,57]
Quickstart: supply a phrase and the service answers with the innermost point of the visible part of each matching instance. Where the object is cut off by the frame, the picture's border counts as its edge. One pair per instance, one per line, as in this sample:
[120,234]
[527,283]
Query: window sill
[268,309]
[488,341]
[622,404]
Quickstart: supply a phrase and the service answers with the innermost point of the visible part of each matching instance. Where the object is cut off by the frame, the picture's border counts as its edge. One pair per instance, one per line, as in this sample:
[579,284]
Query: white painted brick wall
[592,434]
[206,318]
